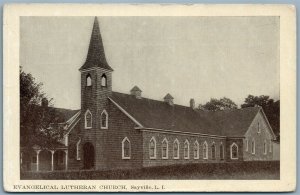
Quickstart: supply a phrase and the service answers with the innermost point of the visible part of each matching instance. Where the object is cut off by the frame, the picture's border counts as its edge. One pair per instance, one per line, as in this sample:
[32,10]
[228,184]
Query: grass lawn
[206,171]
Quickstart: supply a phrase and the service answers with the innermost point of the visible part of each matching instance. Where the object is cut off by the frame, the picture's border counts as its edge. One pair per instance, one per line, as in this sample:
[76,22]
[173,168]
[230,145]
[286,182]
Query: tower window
[103,81]
[104,120]
[88,119]
[234,151]
[253,147]
[88,80]
[78,149]
[126,148]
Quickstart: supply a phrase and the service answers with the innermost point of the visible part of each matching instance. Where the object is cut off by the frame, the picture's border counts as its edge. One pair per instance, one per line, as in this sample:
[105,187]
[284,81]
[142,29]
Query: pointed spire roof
[96,56]
[168,96]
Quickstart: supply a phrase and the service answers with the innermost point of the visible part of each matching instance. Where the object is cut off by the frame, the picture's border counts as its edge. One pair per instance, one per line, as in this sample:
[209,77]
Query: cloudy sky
[188,57]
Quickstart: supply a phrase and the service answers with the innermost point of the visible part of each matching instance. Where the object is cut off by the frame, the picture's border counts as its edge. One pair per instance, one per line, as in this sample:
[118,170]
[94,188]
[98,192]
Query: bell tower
[96,87]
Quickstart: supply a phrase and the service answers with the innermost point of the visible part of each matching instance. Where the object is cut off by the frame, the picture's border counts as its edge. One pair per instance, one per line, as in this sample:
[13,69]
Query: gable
[260,121]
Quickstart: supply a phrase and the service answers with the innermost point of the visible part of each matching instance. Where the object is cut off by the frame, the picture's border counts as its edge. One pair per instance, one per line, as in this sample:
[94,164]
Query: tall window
[88,80]
[196,150]
[253,146]
[103,81]
[176,149]
[186,149]
[104,120]
[270,147]
[164,149]
[265,147]
[234,151]
[126,148]
[213,151]
[258,128]
[205,151]
[246,144]
[221,151]
[152,148]
[78,149]
[88,119]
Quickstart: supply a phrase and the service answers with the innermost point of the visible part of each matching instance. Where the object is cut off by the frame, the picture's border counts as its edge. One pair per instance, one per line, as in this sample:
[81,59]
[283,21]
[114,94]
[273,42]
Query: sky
[188,57]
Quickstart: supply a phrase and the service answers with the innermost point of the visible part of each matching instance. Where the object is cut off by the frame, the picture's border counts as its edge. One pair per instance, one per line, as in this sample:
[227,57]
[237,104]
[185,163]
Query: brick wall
[160,136]
[259,137]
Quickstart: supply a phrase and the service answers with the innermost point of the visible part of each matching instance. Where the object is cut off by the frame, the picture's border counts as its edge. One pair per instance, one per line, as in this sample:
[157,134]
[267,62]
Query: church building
[113,130]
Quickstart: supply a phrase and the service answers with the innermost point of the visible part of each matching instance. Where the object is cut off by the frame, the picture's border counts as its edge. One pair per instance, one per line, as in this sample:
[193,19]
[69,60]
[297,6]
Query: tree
[36,117]
[270,107]
[221,104]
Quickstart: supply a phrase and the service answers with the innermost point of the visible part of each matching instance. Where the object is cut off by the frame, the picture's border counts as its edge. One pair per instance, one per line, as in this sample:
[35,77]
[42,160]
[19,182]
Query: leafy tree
[36,117]
[221,104]
[270,107]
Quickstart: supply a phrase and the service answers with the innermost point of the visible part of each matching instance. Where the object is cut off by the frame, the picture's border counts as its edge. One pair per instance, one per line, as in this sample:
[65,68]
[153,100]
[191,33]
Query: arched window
[126,148]
[104,120]
[103,81]
[186,149]
[176,149]
[253,146]
[234,151]
[247,144]
[213,151]
[205,151]
[196,150]
[270,146]
[221,151]
[78,149]
[164,149]
[88,119]
[88,80]
[265,147]
[152,148]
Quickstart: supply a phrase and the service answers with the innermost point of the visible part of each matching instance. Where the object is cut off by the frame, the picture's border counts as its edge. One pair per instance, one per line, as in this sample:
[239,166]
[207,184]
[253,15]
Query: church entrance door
[88,155]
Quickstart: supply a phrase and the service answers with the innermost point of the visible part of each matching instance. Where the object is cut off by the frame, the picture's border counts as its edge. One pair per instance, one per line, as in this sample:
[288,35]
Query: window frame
[165,141]
[258,128]
[222,157]
[101,79]
[154,152]
[265,147]
[78,149]
[205,154]
[178,148]
[88,80]
[85,121]
[196,145]
[123,148]
[253,147]
[186,143]
[237,151]
[213,157]
[271,146]
[247,145]
[106,119]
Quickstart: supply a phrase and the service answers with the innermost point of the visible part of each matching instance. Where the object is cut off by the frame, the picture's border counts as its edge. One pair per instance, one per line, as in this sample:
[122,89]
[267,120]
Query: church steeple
[96,56]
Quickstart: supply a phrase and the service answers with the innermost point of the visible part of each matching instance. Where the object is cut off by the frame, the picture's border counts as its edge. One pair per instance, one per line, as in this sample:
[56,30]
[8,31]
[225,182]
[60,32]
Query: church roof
[159,115]
[96,55]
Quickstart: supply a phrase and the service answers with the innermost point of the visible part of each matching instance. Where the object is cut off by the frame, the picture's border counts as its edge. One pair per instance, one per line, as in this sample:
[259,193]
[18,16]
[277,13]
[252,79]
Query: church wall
[259,137]
[120,126]
[160,136]
[74,137]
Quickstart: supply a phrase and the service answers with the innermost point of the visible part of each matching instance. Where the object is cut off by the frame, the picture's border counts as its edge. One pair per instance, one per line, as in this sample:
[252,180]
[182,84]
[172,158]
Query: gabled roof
[62,115]
[96,54]
[235,122]
[160,115]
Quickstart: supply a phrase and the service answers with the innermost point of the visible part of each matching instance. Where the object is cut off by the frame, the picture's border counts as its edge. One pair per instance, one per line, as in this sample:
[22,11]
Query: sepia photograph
[143,97]
[170,97]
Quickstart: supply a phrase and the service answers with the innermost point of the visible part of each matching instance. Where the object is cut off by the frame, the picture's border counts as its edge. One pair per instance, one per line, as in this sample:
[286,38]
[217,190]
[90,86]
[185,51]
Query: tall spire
[96,56]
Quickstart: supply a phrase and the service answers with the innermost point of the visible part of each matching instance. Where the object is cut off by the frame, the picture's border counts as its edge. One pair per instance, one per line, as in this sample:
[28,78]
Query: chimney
[192,103]
[136,92]
[169,99]
[45,102]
